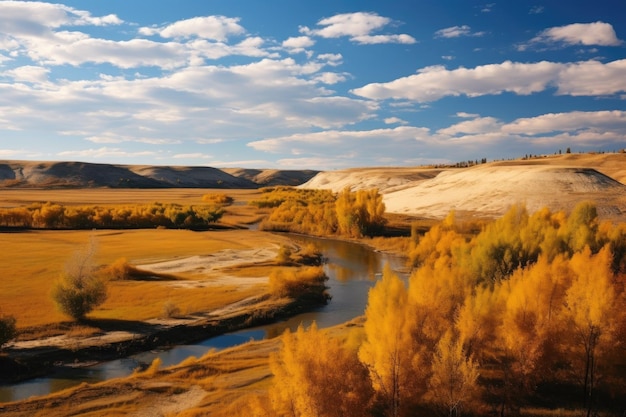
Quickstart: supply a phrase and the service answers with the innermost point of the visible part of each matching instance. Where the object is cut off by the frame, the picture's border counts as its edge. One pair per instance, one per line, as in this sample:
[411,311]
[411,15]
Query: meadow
[35,259]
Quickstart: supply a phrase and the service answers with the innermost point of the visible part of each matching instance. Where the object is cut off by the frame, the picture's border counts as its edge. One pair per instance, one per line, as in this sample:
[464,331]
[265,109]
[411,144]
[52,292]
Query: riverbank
[118,339]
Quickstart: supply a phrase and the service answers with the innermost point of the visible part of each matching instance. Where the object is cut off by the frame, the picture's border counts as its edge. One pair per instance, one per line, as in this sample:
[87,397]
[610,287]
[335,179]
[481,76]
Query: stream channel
[352,269]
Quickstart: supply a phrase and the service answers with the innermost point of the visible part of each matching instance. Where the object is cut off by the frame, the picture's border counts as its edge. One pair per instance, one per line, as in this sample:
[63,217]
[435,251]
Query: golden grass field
[33,260]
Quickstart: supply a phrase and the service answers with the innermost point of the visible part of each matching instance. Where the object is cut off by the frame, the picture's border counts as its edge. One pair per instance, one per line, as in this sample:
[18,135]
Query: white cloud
[298,44]
[448,57]
[359,27]
[217,28]
[9,153]
[36,30]
[597,33]
[103,153]
[487,8]
[588,78]
[403,143]
[28,73]
[536,10]
[340,140]
[379,39]
[331,59]
[567,122]
[330,78]
[34,18]
[477,125]
[592,78]
[395,120]
[466,115]
[194,155]
[457,32]
[209,141]
[435,82]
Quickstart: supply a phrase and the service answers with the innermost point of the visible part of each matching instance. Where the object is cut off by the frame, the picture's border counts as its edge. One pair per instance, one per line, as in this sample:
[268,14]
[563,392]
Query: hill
[31,174]
[272,177]
[558,182]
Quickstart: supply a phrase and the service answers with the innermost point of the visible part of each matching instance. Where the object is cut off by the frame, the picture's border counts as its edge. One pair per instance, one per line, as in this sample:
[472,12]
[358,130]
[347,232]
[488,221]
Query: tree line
[529,312]
[57,216]
[322,212]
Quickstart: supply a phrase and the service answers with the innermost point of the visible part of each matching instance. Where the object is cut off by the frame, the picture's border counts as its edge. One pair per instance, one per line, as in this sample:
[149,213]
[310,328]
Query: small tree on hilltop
[80,289]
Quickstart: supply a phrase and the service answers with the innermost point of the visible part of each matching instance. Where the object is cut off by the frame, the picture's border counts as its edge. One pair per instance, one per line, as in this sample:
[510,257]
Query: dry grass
[33,260]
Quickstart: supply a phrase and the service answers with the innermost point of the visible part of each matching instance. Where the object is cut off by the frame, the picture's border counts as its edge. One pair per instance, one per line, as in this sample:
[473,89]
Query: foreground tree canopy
[527,313]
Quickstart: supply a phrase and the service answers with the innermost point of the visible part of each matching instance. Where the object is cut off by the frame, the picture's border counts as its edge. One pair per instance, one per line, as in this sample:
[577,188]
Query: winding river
[352,270]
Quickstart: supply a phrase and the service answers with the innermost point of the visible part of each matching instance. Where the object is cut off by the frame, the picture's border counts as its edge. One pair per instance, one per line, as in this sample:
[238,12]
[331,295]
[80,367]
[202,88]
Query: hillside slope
[273,177]
[558,182]
[31,174]
[490,190]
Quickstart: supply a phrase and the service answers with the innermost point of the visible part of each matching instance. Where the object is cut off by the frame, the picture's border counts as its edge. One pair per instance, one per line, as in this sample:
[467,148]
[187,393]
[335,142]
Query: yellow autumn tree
[592,307]
[453,384]
[388,350]
[532,320]
[317,376]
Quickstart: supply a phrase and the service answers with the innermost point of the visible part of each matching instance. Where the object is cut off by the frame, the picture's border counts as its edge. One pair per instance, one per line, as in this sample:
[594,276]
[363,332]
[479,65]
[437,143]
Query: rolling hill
[558,182]
[29,174]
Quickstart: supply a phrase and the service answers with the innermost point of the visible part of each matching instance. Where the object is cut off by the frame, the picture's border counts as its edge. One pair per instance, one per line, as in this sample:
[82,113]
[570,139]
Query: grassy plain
[33,260]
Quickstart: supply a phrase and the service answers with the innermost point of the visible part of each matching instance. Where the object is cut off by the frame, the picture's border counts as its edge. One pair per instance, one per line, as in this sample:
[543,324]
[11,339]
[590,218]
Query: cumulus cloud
[395,120]
[588,78]
[298,44]
[38,31]
[588,34]
[477,125]
[567,122]
[217,28]
[359,27]
[457,32]
[28,73]
[343,140]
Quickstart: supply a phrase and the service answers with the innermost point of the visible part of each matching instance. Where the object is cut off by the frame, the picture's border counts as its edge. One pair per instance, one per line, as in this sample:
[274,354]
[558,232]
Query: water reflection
[352,270]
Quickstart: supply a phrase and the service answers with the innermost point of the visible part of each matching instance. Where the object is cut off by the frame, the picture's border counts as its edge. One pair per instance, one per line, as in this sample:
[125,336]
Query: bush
[8,330]
[284,255]
[80,289]
[170,310]
[308,282]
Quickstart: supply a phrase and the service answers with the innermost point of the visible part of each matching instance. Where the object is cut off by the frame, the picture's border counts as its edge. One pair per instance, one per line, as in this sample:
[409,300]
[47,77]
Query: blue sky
[320,85]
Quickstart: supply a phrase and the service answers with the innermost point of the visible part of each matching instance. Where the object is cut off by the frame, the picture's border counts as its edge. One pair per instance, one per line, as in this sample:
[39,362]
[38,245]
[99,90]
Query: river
[352,270]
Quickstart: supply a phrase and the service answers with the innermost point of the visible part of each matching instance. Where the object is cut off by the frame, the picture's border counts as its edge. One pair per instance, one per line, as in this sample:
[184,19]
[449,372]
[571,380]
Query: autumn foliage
[56,216]
[526,314]
[322,212]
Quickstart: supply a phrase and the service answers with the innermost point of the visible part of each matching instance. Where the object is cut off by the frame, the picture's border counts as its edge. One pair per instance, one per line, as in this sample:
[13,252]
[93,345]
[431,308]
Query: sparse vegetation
[80,289]
[170,310]
[305,282]
[8,330]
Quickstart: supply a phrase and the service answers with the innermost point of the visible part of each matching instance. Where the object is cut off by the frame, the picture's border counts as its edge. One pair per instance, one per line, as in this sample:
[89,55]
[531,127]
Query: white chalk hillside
[491,190]
[558,183]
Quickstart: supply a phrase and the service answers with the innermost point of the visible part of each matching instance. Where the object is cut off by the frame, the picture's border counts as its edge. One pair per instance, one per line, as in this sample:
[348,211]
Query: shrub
[170,310]
[218,198]
[8,330]
[306,282]
[284,255]
[118,271]
[80,289]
